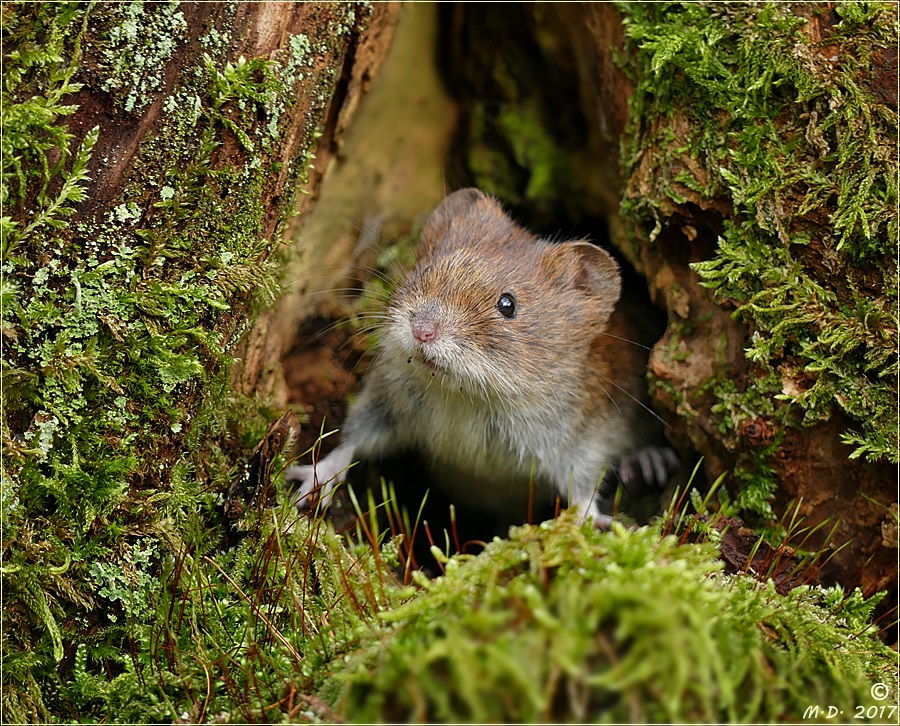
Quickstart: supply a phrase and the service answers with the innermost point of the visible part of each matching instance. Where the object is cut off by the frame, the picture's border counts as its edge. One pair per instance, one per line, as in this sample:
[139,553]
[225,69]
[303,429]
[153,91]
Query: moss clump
[532,160]
[524,136]
[796,138]
[561,623]
[242,635]
[119,434]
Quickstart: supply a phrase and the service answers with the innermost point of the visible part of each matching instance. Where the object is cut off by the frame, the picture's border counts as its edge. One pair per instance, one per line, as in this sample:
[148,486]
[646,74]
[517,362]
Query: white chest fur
[483,451]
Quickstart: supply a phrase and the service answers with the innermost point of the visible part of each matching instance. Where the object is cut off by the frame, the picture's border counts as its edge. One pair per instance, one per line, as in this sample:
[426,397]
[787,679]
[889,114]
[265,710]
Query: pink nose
[425,331]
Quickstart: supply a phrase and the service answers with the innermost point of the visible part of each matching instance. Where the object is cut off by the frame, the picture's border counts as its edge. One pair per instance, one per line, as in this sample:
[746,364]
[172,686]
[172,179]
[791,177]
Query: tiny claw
[589,510]
[305,479]
[322,477]
[655,463]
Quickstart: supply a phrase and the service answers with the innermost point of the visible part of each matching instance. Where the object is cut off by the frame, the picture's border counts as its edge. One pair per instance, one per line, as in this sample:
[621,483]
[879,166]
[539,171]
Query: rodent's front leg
[588,508]
[322,476]
[652,464]
[369,431]
[581,488]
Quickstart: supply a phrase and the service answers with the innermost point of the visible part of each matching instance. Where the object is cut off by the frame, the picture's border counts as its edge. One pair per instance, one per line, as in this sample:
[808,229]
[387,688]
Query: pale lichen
[137,48]
[115,323]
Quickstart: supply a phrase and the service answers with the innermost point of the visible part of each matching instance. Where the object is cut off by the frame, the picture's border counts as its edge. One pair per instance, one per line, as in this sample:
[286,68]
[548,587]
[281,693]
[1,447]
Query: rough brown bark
[321,102]
[151,155]
[378,175]
[273,333]
[259,30]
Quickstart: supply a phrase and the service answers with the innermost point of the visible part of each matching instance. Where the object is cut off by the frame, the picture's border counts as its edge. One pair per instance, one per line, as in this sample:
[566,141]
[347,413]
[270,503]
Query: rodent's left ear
[455,206]
[596,273]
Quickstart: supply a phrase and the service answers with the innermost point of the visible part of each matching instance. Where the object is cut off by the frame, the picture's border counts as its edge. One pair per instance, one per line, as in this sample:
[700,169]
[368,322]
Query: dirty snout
[423,338]
[427,336]
[425,325]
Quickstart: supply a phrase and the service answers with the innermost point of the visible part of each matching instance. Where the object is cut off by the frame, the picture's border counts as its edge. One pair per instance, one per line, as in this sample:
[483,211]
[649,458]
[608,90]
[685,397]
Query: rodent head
[496,310]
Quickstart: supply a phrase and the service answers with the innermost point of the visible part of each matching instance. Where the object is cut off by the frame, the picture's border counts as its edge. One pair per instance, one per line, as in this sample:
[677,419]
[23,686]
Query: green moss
[525,136]
[245,628]
[533,157]
[36,146]
[790,135]
[117,327]
[561,623]
[490,166]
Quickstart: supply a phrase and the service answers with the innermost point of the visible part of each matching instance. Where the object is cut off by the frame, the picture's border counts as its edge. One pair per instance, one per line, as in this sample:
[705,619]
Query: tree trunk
[151,154]
[388,171]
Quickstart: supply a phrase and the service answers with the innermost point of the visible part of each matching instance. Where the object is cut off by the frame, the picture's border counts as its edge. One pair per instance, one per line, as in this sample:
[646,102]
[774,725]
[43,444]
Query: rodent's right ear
[454,205]
[592,271]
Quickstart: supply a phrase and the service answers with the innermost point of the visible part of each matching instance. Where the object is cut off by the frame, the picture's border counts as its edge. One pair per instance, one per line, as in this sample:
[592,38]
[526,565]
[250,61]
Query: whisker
[319,334]
[370,315]
[626,340]
[364,314]
[369,234]
[391,278]
[609,396]
[346,320]
[362,332]
[380,274]
[361,292]
[636,400]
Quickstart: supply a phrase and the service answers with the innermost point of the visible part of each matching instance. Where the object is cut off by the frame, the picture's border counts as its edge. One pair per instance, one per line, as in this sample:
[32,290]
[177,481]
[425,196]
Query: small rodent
[506,363]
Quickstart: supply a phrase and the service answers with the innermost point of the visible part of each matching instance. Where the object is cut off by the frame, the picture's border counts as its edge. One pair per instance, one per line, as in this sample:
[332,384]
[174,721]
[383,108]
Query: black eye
[507,305]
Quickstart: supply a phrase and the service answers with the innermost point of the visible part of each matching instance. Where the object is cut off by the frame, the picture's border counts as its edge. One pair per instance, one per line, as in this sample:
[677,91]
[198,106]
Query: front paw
[321,478]
[588,509]
[651,464]
[307,484]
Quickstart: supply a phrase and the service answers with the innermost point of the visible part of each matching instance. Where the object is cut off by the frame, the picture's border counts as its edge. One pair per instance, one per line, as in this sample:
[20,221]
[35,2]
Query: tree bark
[389,171]
[151,155]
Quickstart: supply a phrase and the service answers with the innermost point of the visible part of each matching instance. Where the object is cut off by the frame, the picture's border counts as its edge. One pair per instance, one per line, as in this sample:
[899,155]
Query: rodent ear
[454,205]
[596,273]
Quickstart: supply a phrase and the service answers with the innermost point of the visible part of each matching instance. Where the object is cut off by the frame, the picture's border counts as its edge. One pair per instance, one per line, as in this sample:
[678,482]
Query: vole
[506,363]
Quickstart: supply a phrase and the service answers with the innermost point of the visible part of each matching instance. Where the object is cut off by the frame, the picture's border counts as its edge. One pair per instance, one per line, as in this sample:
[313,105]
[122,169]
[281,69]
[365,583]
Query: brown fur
[557,389]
